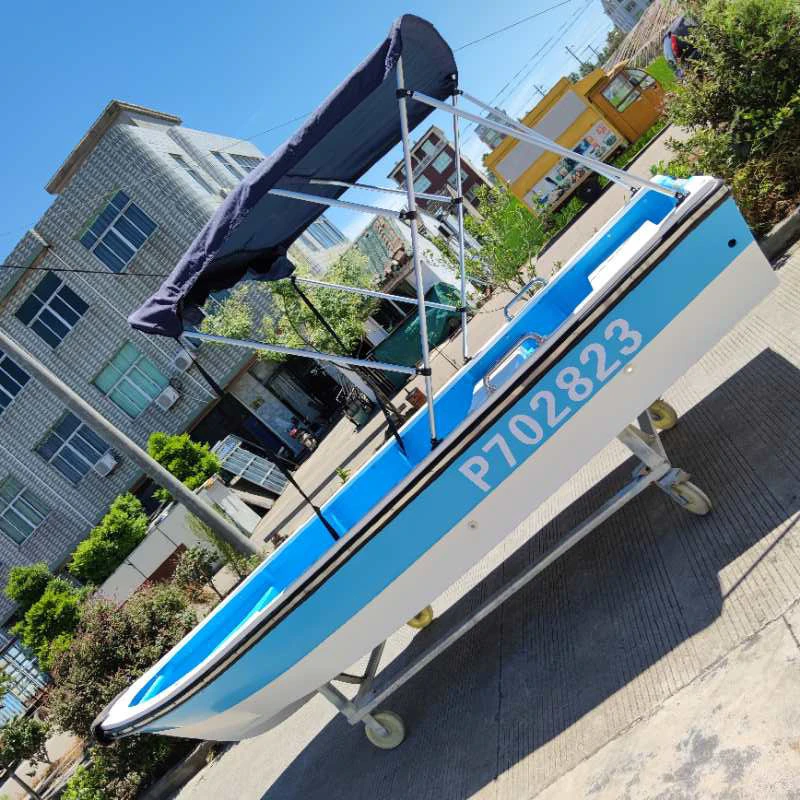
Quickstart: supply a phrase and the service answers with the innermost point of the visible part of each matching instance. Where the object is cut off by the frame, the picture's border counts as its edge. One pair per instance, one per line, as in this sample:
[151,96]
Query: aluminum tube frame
[441,198]
[372,293]
[345,361]
[612,173]
[402,101]
[460,217]
[332,202]
[655,470]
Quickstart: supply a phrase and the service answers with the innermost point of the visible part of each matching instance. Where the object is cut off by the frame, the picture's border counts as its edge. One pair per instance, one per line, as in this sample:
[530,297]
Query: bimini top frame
[411,73]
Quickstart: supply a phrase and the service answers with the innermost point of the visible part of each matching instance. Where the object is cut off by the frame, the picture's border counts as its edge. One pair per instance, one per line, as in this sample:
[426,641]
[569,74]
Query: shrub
[52,619]
[241,564]
[195,568]
[190,462]
[23,739]
[27,584]
[111,648]
[106,547]
[741,104]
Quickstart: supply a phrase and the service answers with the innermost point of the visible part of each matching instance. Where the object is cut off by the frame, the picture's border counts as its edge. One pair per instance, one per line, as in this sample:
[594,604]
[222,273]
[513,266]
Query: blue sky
[240,68]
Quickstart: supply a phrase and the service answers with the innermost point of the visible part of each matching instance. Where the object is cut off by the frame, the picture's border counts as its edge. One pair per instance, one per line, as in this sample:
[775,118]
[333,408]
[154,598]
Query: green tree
[510,236]
[741,103]
[111,648]
[26,584]
[194,569]
[190,462]
[242,565]
[110,542]
[23,739]
[289,322]
[52,619]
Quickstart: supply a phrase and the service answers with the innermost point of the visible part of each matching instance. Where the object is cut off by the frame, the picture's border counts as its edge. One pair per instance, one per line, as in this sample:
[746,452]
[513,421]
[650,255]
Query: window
[324,233]
[52,310]
[72,447]
[193,173]
[227,164]
[21,511]
[118,232]
[452,178]
[422,184]
[247,163]
[626,88]
[309,242]
[428,147]
[442,161]
[12,379]
[132,381]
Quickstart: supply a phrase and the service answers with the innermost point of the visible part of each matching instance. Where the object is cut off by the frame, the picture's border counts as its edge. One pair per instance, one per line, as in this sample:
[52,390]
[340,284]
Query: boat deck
[627,620]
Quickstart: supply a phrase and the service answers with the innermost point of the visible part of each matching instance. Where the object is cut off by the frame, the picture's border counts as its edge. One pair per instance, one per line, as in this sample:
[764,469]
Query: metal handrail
[537,281]
[501,362]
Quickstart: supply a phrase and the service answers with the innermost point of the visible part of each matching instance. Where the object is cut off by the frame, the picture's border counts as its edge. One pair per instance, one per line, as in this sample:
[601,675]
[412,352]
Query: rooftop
[98,128]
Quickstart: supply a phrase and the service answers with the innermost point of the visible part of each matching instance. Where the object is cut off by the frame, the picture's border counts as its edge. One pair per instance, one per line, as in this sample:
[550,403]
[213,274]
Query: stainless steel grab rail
[537,281]
[500,363]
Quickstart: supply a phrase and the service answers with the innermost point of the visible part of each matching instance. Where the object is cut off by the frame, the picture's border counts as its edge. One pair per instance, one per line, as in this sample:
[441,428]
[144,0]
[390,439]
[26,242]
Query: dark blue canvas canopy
[356,126]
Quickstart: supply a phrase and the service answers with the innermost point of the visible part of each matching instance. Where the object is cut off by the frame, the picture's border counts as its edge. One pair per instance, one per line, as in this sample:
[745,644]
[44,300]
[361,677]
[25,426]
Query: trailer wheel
[396,730]
[664,416]
[421,620]
[692,499]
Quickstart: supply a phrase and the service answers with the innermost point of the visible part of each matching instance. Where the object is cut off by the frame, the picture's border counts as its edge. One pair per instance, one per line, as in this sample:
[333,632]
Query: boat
[668,275]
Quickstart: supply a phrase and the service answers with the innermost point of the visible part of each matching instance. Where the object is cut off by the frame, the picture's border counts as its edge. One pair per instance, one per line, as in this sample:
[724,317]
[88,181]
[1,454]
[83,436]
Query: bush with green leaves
[111,648]
[195,569]
[241,564]
[51,621]
[190,462]
[23,739]
[740,101]
[26,584]
[108,544]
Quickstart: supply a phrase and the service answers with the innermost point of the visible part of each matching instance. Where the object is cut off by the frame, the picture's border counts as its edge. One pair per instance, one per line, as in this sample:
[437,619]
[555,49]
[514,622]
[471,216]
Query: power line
[512,25]
[88,271]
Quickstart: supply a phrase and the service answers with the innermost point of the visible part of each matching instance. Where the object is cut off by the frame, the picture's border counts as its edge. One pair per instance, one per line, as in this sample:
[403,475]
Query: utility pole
[539,89]
[595,52]
[572,53]
[115,437]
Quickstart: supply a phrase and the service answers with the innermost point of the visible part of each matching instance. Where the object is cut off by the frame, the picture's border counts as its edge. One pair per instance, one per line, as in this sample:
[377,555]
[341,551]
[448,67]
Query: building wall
[440,177]
[625,13]
[136,159]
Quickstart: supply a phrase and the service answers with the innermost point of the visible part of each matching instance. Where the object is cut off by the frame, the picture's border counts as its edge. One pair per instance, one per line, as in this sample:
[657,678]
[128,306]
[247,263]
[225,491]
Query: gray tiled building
[129,199]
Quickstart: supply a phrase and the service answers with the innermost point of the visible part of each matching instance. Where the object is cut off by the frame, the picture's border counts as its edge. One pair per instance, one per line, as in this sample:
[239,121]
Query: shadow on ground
[635,589]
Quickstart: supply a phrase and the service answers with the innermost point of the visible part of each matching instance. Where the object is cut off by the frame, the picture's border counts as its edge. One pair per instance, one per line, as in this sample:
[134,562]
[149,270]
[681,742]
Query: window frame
[66,444]
[124,379]
[100,237]
[45,305]
[227,164]
[7,506]
[441,170]
[245,166]
[4,391]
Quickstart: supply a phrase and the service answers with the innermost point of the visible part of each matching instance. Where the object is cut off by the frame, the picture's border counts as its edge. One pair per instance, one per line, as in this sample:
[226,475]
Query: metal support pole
[330,201]
[460,217]
[396,298]
[194,504]
[254,344]
[412,211]
[612,173]
[438,198]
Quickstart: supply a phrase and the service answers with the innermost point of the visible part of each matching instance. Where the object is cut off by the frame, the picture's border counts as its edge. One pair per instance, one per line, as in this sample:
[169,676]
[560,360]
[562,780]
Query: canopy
[355,127]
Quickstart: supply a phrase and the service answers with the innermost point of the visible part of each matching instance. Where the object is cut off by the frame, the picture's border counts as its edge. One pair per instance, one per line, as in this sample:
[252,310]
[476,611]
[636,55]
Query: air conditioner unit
[167,398]
[182,361]
[105,466]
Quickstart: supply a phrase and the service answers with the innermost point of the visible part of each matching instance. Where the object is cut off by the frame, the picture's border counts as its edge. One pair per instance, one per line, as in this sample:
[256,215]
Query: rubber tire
[696,500]
[421,620]
[664,416]
[394,724]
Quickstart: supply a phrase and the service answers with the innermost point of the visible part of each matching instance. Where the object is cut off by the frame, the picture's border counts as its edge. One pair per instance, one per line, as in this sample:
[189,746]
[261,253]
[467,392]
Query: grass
[660,69]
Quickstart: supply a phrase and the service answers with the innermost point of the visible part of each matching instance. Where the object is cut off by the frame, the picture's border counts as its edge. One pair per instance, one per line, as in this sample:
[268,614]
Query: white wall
[166,534]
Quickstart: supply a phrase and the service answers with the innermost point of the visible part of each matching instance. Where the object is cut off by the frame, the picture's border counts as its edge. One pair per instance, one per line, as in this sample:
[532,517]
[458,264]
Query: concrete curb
[782,236]
[181,773]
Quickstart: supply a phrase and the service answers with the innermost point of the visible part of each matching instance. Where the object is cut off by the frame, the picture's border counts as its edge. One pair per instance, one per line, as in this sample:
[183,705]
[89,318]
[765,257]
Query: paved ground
[657,659]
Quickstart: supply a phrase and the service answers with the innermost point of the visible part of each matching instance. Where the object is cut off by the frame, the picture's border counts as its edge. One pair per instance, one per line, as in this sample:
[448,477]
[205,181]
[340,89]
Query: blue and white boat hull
[654,307]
